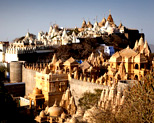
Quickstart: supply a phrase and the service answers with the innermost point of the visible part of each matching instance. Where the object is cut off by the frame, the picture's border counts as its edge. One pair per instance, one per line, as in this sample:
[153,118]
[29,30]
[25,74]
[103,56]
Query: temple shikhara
[53,84]
[130,63]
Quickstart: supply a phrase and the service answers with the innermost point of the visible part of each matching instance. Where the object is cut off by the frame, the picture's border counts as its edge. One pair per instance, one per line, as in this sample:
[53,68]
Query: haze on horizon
[17,17]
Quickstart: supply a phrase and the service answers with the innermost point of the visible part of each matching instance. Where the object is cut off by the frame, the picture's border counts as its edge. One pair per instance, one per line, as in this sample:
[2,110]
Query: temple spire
[109,11]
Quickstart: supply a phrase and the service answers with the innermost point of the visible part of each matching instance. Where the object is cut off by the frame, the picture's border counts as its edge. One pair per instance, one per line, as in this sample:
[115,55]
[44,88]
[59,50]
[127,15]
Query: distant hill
[151,47]
[86,46]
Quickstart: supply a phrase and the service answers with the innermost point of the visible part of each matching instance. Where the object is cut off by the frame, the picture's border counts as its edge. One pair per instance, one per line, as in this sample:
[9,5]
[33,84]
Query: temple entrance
[136,77]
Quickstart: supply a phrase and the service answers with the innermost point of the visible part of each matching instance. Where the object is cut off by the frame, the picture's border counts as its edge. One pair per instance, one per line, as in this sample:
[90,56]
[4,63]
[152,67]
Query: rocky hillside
[89,45]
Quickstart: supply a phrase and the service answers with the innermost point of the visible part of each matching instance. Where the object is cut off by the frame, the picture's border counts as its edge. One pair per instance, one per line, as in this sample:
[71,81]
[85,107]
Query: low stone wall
[28,76]
[79,87]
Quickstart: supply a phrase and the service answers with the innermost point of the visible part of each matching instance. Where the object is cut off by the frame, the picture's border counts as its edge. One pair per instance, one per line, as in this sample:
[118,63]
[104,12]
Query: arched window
[142,65]
[136,77]
[136,66]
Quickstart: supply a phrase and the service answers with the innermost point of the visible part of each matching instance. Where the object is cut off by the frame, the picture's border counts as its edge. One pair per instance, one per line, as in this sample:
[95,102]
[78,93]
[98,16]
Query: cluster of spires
[112,98]
[142,47]
[35,66]
[100,24]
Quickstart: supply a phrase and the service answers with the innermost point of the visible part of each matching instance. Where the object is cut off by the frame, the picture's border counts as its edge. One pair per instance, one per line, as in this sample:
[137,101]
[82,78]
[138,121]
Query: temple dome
[146,44]
[141,41]
[127,52]
[37,91]
[136,45]
[27,35]
[89,25]
[110,19]
[104,20]
[96,24]
[84,25]
[55,110]
[42,114]
[56,27]
[102,23]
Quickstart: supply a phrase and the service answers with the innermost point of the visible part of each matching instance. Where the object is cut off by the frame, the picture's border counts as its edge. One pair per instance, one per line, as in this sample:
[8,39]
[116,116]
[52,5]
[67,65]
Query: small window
[136,66]
[136,77]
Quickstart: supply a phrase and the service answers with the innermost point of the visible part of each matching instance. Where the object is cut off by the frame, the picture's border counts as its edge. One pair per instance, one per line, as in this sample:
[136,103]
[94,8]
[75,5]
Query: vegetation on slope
[138,107]
[89,45]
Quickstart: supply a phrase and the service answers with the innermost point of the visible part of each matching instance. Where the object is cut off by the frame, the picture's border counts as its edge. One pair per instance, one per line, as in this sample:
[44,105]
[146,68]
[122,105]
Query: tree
[139,104]
[3,69]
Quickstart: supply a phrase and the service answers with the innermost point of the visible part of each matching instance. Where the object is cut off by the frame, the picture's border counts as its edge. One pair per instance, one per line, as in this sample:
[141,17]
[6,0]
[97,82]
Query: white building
[109,50]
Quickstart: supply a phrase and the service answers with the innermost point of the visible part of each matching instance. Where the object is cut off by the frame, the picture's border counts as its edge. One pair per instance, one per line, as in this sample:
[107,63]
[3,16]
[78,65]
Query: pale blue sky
[17,16]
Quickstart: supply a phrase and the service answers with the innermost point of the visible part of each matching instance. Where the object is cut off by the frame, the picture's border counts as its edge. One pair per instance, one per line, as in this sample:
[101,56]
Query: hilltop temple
[130,63]
[50,93]
[57,36]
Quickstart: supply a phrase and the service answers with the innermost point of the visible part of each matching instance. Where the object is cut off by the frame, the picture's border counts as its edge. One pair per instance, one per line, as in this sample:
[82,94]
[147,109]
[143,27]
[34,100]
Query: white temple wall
[11,57]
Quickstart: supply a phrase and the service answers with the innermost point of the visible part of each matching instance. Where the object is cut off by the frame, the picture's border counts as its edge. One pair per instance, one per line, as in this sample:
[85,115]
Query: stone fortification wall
[28,76]
[79,87]
[16,71]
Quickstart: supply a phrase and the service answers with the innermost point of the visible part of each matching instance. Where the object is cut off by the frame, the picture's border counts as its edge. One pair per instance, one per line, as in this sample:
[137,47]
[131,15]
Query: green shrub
[90,99]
